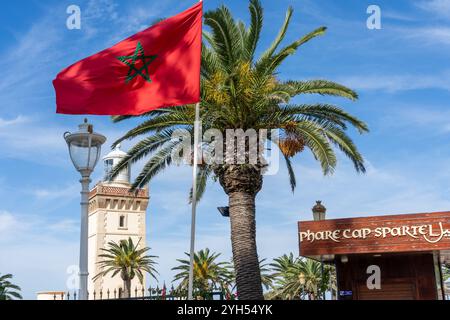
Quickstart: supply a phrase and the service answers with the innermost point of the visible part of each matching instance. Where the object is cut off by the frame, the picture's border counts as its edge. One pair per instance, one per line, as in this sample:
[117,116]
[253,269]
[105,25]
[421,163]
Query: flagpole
[194,201]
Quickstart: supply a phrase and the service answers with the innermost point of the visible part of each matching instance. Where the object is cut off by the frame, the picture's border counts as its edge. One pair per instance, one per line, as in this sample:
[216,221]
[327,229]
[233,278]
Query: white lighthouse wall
[104,226]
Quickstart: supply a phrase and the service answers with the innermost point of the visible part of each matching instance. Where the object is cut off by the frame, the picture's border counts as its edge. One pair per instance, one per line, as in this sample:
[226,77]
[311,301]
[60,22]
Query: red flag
[163,292]
[155,68]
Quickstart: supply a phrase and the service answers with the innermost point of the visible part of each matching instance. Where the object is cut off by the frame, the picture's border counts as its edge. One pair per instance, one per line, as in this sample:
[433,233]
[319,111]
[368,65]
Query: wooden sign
[393,233]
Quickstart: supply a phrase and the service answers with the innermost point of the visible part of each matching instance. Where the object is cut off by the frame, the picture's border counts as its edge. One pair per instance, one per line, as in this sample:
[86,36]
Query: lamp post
[84,149]
[319,213]
[224,211]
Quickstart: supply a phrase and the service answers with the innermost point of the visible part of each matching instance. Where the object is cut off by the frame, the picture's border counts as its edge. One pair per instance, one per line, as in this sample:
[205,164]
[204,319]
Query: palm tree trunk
[243,240]
[127,288]
[242,183]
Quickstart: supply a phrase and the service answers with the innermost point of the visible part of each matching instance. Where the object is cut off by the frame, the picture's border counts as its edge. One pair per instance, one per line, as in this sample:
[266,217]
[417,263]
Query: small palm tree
[288,282]
[281,265]
[241,91]
[209,274]
[8,291]
[304,278]
[267,277]
[299,277]
[127,260]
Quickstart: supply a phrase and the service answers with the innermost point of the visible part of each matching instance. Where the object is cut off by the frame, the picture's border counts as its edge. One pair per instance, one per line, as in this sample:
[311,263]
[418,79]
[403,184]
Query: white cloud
[68,192]
[8,223]
[11,122]
[395,15]
[102,16]
[431,120]
[96,14]
[436,7]
[101,9]
[39,265]
[38,251]
[31,139]
[27,138]
[27,62]
[430,35]
[32,227]
[397,82]
[65,225]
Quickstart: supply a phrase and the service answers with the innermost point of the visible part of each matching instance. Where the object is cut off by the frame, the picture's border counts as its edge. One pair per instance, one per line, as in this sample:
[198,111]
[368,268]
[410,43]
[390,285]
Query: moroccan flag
[155,68]
[164,292]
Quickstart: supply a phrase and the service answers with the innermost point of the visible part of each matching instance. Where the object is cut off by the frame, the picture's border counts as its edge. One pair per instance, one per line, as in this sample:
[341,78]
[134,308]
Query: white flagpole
[194,200]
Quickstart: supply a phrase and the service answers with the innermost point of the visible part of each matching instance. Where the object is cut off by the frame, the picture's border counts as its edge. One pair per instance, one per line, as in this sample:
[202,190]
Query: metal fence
[137,294]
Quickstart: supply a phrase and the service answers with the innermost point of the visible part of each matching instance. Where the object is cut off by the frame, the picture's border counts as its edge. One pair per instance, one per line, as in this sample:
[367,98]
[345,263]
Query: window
[122,221]
[108,167]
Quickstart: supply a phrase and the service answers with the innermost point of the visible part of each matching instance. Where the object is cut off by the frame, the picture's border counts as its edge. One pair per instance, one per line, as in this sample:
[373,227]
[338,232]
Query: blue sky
[401,72]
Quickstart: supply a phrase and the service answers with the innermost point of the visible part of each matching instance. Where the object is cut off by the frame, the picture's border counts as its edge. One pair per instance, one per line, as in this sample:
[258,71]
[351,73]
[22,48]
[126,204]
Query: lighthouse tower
[115,214]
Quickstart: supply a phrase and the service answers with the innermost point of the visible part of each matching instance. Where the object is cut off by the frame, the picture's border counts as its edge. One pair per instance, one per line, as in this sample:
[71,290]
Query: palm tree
[298,277]
[240,91]
[267,277]
[288,282]
[304,278]
[8,291]
[280,268]
[128,260]
[281,265]
[208,273]
[311,270]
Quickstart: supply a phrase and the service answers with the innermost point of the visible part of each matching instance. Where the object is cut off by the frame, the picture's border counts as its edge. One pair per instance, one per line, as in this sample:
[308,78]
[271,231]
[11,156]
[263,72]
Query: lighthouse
[115,214]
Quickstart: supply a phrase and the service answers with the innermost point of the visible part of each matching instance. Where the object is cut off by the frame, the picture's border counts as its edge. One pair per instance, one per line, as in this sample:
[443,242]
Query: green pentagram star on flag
[139,55]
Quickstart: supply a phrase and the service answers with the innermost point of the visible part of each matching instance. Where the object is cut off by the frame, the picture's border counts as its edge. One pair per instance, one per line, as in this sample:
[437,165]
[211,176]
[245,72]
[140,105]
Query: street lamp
[84,149]
[224,211]
[319,213]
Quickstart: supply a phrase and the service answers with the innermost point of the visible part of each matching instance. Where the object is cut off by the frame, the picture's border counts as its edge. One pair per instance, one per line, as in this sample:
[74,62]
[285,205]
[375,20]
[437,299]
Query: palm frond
[141,150]
[318,144]
[256,21]
[270,64]
[225,36]
[156,112]
[320,112]
[322,87]
[291,173]
[165,121]
[204,171]
[281,34]
[346,145]
[158,162]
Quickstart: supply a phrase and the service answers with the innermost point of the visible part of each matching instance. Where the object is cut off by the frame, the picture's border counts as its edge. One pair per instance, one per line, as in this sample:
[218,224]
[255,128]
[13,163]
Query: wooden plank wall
[403,277]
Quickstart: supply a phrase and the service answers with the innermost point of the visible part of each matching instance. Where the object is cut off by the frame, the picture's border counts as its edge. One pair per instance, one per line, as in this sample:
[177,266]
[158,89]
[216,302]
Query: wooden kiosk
[406,250]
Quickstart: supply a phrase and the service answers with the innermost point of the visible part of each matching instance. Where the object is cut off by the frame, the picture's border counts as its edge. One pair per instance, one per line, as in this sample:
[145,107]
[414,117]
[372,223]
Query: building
[115,214]
[382,257]
[51,295]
